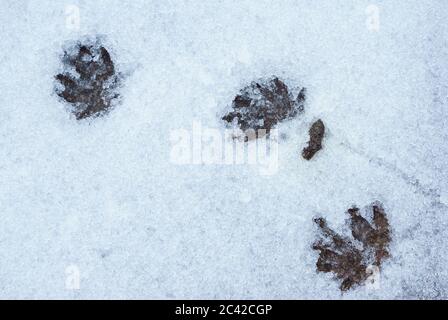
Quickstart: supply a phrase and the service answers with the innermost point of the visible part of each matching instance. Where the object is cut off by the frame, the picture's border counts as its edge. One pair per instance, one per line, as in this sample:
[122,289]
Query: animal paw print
[89,80]
[349,260]
[261,105]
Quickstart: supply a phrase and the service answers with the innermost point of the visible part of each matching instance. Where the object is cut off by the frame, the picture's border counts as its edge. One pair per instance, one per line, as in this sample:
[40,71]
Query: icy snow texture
[102,196]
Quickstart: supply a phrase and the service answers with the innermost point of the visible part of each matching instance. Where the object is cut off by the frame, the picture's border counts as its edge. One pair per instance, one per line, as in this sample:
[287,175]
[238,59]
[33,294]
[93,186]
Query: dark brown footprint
[261,105]
[89,80]
[350,260]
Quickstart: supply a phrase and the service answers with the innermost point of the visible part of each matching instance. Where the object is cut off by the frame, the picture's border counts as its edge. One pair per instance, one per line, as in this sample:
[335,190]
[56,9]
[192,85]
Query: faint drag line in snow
[408,179]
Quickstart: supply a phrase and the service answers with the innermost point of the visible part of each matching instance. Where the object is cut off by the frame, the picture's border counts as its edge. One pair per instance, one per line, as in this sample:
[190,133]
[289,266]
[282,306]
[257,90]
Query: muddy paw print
[89,80]
[261,105]
[351,261]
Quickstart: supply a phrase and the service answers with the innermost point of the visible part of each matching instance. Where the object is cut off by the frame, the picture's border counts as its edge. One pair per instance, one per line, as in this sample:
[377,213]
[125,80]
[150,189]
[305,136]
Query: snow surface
[102,197]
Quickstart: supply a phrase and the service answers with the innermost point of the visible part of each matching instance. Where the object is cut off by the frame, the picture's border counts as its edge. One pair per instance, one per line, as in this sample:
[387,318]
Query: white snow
[101,199]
